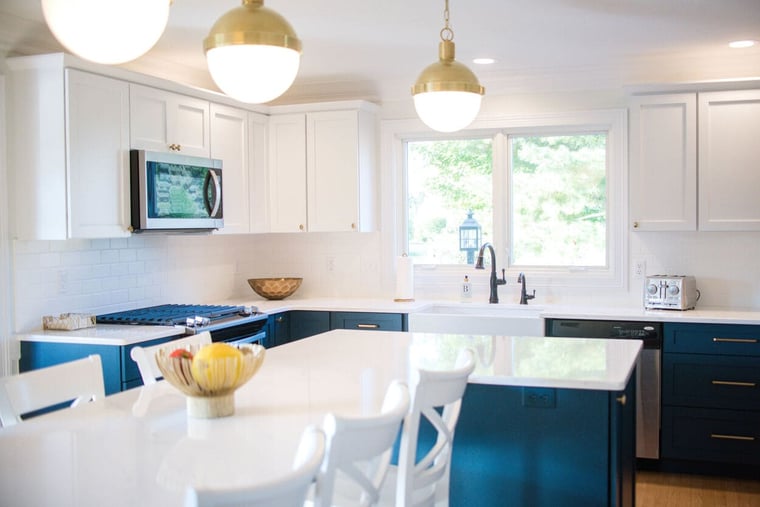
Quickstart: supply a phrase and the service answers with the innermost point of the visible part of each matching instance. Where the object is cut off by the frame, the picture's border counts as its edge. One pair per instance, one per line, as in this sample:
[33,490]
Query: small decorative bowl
[274,288]
[213,395]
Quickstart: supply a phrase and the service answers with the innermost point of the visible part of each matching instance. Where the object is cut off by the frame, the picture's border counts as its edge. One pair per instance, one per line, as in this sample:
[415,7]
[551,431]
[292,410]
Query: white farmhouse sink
[474,318]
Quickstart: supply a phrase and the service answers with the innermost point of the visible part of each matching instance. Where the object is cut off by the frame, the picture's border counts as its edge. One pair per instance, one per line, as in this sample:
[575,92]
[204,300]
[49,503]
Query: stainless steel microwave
[173,192]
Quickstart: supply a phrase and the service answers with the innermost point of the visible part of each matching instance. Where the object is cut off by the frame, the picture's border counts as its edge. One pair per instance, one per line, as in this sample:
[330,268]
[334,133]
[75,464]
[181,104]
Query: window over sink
[547,191]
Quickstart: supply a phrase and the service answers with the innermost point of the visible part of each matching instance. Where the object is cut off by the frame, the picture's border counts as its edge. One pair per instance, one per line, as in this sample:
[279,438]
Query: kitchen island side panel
[559,453]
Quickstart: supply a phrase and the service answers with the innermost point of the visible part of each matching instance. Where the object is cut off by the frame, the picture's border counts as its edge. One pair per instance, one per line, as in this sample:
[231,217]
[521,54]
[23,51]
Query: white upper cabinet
[729,161]
[693,161]
[167,121]
[287,173]
[663,162]
[68,151]
[258,149]
[322,171]
[229,143]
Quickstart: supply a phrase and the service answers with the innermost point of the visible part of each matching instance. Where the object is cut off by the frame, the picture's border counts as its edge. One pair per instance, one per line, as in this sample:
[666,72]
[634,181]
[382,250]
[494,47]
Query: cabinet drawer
[738,340]
[367,320]
[711,381]
[711,435]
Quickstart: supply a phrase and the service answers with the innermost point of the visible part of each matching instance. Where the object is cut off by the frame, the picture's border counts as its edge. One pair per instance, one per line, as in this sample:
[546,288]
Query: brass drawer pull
[733,383]
[731,437]
[622,399]
[368,326]
[735,340]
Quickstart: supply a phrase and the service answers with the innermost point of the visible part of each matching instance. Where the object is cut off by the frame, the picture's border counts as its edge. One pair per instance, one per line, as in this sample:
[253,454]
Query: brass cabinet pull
[735,340]
[368,326]
[635,225]
[175,147]
[279,319]
[622,399]
[733,383]
[301,227]
[720,436]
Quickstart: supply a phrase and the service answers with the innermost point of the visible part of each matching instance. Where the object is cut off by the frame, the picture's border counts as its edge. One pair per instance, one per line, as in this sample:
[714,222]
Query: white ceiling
[375,50]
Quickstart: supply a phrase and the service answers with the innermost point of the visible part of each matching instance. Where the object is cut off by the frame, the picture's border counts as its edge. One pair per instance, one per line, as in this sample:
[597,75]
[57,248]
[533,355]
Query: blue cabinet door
[577,449]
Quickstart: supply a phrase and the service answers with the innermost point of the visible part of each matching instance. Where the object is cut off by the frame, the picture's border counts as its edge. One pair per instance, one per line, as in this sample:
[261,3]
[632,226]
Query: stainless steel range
[232,324]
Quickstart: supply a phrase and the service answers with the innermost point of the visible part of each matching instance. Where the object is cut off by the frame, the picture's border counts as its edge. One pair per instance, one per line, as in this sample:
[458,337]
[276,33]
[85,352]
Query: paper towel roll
[404,279]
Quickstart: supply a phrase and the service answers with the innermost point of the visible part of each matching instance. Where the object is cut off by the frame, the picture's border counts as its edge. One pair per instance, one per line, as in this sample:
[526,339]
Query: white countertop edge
[103,334]
[552,383]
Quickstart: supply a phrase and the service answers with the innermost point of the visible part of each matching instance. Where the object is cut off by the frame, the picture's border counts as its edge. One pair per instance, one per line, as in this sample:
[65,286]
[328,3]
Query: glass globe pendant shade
[107,31]
[252,53]
[447,94]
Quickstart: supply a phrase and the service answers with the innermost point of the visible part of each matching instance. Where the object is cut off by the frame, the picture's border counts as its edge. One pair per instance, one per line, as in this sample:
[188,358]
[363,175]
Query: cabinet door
[287,173]
[663,158]
[729,152]
[258,187]
[165,121]
[332,170]
[229,143]
[97,124]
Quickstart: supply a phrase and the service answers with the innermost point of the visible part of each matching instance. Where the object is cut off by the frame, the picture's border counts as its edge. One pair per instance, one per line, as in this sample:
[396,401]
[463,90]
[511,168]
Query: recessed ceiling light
[483,61]
[738,44]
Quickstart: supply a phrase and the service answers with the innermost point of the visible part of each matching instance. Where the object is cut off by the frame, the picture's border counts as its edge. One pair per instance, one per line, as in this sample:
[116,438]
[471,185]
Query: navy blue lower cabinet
[305,323]
[517,446]
[120,372]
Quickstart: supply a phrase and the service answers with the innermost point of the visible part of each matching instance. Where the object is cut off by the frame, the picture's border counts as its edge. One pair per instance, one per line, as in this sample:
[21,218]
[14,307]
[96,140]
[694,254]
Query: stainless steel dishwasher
[648,370]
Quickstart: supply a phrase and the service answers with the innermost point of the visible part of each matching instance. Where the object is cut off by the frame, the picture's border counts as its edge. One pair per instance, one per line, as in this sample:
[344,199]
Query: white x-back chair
[289,490]
[145,357]
[359,452]
[436,396]
[80,380]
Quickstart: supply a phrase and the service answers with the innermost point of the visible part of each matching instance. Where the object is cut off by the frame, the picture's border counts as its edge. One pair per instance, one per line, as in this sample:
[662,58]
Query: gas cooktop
[176,315]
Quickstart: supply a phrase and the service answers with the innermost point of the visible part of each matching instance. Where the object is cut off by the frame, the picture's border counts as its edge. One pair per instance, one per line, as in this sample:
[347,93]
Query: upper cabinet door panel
[229,138]
[97,122]
[287,173]
[333,171]
[166,121]
[663,163]
[729,161]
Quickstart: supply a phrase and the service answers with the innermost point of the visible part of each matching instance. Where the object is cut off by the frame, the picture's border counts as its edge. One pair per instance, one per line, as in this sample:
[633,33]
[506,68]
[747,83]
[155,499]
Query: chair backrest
[436,396]
[80,380]
[289,490]
[359,450]
[145,357]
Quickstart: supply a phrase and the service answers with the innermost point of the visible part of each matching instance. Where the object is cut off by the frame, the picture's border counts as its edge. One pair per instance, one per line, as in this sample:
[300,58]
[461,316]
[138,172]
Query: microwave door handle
[212,176]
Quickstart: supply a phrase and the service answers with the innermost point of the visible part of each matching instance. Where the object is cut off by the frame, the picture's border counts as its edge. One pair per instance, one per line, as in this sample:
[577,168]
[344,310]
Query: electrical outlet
[330,264]
[640,268]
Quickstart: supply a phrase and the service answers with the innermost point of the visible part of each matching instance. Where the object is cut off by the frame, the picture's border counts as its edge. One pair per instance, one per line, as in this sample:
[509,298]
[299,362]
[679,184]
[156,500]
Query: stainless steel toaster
[670,292]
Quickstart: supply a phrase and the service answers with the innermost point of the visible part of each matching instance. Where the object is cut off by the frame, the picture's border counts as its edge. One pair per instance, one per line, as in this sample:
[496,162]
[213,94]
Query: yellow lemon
[217,366]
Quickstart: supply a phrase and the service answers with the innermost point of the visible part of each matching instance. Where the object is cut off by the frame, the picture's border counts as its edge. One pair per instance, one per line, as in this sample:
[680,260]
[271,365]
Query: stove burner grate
[172,314]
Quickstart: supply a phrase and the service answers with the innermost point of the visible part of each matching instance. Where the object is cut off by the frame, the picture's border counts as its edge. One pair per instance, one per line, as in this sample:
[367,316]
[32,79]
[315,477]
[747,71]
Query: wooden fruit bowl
[274,288]
[212,393]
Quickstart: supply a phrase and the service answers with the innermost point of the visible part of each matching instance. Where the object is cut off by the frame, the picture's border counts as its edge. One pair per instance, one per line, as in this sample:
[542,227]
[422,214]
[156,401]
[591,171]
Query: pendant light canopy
[252,53]
[107,31]
[447,94]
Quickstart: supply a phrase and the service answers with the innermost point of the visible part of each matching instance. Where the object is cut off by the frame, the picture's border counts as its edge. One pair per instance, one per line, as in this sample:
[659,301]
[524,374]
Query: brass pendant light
[447,94]
[252,53]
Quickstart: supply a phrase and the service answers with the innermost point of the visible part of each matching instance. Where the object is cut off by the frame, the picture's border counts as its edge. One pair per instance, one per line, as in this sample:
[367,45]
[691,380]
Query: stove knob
[673,290]
[652,289]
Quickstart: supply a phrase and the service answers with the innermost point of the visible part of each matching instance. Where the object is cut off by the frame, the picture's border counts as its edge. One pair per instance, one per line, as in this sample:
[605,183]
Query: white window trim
[394,133]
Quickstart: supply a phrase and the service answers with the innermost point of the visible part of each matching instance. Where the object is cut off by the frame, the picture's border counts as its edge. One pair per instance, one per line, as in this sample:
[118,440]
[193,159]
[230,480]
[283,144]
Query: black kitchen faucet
[494,282]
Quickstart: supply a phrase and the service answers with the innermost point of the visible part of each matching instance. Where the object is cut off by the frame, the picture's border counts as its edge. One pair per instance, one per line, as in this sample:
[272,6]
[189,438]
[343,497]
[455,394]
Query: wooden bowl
[274,288]
[211,395]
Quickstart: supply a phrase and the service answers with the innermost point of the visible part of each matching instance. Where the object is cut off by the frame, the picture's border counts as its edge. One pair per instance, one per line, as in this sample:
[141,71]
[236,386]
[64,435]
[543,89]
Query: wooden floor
[655,489]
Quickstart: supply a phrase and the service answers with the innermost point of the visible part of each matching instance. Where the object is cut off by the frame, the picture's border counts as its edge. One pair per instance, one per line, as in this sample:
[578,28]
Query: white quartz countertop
[103,334]
[139,447]
[120,335]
